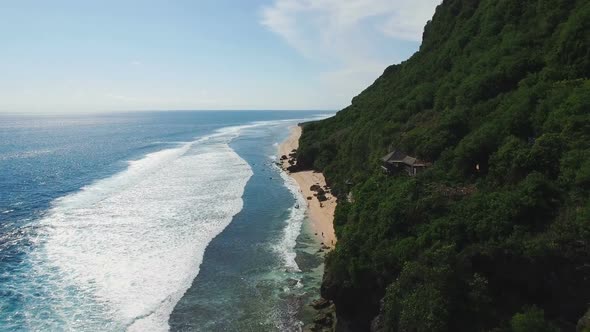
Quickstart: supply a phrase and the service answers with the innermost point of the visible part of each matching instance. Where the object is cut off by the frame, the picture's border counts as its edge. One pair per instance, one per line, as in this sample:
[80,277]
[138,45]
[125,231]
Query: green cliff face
[495,235]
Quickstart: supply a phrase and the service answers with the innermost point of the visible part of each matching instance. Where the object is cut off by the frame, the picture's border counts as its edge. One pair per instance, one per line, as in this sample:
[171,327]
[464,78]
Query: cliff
[495,234]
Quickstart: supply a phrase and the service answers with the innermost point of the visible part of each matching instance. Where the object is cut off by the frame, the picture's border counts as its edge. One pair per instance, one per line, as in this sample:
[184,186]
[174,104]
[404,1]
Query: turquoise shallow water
[151,221]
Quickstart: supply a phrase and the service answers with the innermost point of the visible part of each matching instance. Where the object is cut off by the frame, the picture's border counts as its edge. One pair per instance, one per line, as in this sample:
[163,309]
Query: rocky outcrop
[325,319]
[356,307]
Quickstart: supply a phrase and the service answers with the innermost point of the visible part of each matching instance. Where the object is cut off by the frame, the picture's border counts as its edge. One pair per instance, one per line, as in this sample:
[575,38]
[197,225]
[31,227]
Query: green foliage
[498,98]
[418,299]
[532,320]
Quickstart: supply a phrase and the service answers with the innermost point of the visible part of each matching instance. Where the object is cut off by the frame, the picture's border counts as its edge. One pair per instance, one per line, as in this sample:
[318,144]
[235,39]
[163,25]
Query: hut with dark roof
[396,161]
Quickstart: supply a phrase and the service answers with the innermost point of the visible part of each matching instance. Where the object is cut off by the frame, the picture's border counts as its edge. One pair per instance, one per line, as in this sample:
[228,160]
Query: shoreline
[321,214]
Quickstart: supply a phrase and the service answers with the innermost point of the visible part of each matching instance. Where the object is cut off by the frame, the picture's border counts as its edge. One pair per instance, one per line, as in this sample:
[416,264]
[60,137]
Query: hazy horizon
[137,111]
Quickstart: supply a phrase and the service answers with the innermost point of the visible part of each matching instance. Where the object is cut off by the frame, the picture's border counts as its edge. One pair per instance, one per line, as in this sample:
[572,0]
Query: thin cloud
[348,35]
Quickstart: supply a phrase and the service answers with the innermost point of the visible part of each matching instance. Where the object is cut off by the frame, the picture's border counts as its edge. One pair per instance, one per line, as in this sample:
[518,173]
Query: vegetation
[498,98]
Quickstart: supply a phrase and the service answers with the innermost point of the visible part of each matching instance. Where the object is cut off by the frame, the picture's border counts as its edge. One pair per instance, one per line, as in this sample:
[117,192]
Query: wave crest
[121,252]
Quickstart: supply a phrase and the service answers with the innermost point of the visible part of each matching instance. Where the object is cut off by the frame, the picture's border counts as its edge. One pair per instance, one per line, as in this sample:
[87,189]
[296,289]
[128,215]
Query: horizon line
[53,113]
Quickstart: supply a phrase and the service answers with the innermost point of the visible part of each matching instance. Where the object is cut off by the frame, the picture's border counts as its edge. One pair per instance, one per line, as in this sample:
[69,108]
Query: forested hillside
[495,235]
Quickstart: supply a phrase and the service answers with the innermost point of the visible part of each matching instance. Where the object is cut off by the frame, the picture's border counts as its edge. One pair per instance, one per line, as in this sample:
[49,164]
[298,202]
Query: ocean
[152,221]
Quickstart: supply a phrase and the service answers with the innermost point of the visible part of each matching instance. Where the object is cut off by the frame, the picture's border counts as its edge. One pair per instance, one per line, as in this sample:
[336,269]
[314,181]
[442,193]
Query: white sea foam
[294,223]
[120,253]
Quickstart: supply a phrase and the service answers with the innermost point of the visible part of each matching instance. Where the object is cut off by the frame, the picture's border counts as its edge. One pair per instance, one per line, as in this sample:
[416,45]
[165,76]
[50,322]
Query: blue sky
[87,56]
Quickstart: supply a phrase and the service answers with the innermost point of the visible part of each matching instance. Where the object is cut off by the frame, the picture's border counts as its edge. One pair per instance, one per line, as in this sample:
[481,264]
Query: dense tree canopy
[496,234]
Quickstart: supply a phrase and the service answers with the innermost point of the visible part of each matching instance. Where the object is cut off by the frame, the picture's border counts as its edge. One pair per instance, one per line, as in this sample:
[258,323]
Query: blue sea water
[151,221]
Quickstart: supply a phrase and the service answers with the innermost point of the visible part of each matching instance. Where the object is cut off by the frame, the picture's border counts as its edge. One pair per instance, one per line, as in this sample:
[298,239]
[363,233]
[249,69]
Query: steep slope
[496,233]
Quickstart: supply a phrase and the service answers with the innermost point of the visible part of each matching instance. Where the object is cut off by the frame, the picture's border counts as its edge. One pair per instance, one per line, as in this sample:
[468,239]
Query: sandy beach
[321,214]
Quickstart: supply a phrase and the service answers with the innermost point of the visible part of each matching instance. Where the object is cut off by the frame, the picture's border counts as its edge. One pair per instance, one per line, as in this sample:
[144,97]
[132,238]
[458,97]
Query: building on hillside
[396,161]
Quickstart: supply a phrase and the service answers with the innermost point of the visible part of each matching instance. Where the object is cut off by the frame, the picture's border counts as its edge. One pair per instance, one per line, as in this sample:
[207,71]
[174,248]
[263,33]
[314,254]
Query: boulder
[292,282]
[320,303]
[324,320]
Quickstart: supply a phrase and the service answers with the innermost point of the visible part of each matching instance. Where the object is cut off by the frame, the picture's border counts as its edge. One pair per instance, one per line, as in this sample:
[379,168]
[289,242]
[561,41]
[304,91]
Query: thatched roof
[394,156]
[398,157]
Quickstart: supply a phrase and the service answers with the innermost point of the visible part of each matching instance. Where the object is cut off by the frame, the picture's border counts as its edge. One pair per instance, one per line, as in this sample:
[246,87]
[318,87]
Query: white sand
[321,214]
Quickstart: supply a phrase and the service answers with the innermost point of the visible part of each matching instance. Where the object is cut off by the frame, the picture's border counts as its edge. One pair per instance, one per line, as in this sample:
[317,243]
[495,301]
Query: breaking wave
[121,252]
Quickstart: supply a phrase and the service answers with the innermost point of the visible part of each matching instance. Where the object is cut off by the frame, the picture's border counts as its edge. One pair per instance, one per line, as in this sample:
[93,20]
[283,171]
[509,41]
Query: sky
[122,55]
